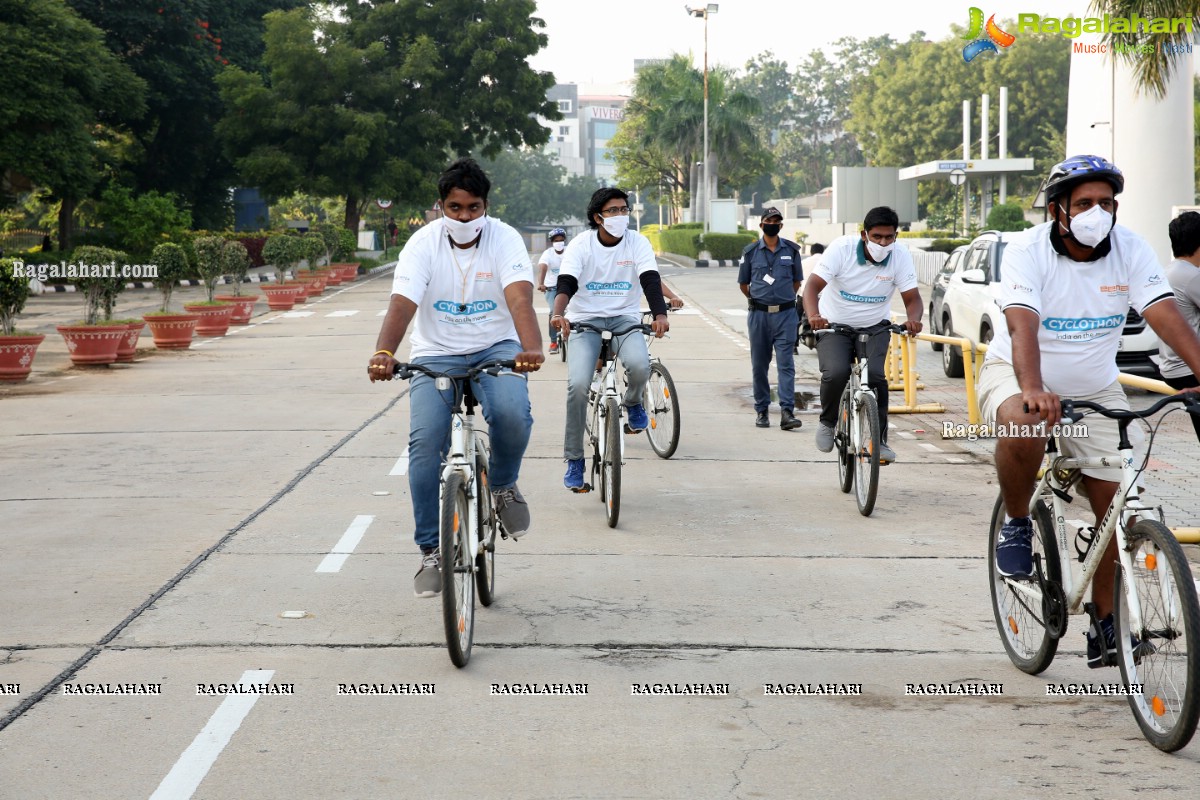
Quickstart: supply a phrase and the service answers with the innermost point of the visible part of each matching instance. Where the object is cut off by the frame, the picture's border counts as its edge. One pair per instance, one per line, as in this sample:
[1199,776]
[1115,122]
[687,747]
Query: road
[163,524]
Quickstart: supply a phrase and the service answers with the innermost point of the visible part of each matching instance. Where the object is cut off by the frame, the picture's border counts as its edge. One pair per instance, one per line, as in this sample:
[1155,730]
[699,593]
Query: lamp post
[703,12]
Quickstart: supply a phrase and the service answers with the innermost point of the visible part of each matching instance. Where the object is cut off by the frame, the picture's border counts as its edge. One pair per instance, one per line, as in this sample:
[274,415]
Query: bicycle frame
[598,397]
[465,444]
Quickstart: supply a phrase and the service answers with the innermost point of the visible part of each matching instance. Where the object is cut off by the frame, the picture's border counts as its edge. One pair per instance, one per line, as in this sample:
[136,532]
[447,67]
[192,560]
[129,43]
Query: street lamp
[703,12]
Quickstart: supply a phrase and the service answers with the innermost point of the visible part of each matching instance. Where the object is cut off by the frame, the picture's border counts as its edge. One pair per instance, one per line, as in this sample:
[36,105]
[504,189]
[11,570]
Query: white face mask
[616,226]
[559,246]
[878,252]
[464,232]
[1092,226]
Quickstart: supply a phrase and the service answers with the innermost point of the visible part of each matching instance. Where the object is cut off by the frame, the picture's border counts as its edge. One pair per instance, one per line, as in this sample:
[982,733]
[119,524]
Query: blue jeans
[773,333]
[581,366]
[504,399]
[551,293]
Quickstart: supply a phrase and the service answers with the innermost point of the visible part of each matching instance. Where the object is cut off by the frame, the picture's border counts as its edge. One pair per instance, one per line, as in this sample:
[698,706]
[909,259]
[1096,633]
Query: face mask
[559,246]
[616,226]
[1092,226]
[464,232]
[771,229]
[878,252]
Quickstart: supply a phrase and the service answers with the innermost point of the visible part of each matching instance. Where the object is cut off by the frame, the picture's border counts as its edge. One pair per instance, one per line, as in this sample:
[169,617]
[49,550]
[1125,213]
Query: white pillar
[966,130]
[1003,141]
[985,107]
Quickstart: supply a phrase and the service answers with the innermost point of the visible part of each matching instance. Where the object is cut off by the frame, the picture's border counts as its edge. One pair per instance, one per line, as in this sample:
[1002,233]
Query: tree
[368,103]
[64,92]
[530,188]
[1152,70]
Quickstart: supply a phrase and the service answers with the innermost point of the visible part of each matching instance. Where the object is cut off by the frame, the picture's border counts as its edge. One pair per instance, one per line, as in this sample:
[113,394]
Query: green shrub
[14,291]
[684,242]
[688,226]
[172,267]
[313,245]
[367,264]
[727,245]
[1007,217]
[946,245]
[99,291]
[235,263]
[139,223]
[282,252]
[209,262]
[929,234]
[347,245]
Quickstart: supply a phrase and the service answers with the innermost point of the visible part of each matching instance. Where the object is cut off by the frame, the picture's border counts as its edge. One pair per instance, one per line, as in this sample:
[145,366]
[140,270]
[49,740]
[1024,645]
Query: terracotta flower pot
[93,344]
[214,320]
[243,307]
[172,331]
[314,283]
[349,271]
[16,356]
[302,290]
[280,297]
[333,276]
[128,347]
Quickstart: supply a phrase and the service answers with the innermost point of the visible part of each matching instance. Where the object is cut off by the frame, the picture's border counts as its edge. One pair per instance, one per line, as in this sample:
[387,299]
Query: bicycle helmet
[557,232]
[1075,170]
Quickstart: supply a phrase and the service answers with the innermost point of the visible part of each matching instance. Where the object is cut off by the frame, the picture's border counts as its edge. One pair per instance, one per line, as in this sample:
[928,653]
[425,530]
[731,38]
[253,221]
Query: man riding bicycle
[466,281]
[856,279]
[601,281]
[548,266]
[1068,285]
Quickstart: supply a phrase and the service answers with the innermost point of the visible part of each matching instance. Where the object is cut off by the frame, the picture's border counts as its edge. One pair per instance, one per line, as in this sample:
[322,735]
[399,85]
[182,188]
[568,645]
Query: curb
[722,262]
[691,263]
[52,288]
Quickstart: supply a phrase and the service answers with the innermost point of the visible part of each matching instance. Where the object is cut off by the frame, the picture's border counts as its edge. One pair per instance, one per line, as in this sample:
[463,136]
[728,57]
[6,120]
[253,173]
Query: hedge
[685,241]
[946,245]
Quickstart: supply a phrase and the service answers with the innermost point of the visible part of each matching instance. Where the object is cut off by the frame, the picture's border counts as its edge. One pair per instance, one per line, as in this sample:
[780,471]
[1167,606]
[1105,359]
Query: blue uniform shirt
[783,266]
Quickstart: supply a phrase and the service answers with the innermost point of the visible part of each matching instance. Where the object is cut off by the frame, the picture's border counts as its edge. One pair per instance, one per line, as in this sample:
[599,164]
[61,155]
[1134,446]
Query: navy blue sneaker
[1014,549]
[573,480]
[1108,628]
[638,421]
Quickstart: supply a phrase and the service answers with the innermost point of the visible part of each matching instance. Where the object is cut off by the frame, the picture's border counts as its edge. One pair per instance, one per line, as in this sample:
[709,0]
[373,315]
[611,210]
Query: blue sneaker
[1107,628]
[637,421]
[1014,549]
[573,480]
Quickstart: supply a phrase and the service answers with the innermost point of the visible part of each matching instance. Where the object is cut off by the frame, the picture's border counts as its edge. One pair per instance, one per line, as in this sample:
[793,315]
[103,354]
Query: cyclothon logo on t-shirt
[1082,328]
[863,298]
[477,307]
[613,287]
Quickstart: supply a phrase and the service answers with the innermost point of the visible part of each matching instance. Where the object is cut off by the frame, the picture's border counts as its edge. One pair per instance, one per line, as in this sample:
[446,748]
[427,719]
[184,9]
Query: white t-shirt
[553,261]
[859,293]
[1081,306]
[459,294]
[609,277]
[1185,282]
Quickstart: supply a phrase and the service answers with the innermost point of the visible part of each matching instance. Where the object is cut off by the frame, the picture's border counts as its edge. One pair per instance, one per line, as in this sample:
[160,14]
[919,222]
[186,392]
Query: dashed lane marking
[401,466]
[345,547]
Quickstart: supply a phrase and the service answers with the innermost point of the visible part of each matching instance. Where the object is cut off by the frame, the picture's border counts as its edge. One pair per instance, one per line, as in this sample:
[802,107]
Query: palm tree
[1152,71]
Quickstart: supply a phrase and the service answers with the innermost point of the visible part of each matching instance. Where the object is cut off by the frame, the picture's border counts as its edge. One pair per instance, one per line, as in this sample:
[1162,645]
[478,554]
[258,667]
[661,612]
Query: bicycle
[857,435]
[604,420]
[661,404]
[1157,618]
[469,522]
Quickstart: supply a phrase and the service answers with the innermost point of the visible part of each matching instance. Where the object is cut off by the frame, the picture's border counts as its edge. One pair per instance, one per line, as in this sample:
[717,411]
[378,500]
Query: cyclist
[465,284]
[548,266]
[862,272]
[1068,285]
[1184,275]
[596,283]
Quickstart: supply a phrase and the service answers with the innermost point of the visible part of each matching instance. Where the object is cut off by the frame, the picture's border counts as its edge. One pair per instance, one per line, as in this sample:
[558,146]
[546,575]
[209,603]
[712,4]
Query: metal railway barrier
[900,369]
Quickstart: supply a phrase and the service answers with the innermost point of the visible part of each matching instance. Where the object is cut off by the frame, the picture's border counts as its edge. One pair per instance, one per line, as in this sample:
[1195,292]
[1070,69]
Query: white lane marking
[681,312]
[295,314]
[955,460]
[904,434]
[382,313]
[191,768]
[341,551]
[401,466]
[345,313]
[933,448]
[734,312]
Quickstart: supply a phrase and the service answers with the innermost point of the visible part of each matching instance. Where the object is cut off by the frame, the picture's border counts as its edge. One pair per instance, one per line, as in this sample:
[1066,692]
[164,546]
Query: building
[591,114]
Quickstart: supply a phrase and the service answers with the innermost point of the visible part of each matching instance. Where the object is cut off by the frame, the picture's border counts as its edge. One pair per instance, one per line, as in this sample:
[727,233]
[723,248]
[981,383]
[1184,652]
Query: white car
[971,309]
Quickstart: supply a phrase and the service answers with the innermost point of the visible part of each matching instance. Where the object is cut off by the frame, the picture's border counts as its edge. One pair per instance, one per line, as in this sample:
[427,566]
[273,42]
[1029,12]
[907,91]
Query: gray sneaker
[428,582]
[824,437]
[886,454]
[513,510]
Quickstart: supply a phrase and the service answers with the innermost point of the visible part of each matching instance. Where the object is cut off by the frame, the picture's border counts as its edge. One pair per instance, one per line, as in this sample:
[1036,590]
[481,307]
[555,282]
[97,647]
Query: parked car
[953,264]
[971,309]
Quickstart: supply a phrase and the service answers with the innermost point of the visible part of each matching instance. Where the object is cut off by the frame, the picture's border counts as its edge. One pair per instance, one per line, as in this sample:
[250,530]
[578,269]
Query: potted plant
[313,247]
[235,261]
[171,331]
[17,348]
[92,340]
[214,315]
[347,247]
[280,252]
[329,236]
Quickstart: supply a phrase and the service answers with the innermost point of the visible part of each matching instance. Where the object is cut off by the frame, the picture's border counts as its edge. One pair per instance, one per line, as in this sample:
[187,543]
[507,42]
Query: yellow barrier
[908,372]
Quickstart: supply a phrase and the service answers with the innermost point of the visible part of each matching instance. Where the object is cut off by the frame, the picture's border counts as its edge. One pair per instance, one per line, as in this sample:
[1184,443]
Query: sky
[596,41]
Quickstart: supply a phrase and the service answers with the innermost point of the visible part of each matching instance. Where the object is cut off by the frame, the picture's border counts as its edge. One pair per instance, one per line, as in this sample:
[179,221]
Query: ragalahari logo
[982,43]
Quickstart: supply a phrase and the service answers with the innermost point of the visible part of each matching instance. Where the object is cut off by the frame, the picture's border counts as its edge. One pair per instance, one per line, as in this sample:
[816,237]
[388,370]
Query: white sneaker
[824,437]
[428,580]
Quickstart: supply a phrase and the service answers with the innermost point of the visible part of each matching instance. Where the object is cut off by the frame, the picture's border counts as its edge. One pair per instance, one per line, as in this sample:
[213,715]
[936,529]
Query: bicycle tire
[562,348]
[489,531]
[610,469]
[1022,628]
[1169,670]
[458,584]
[662,404]
[841,438]
[866,455]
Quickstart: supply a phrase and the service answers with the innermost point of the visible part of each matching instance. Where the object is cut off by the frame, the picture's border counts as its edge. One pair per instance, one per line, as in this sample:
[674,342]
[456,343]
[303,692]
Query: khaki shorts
[998,382]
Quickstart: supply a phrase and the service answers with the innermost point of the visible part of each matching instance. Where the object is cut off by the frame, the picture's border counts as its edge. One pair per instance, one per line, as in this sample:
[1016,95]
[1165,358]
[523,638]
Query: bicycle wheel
[841,438]
[1020,616]
[562,347]
[489,531]
[610,468]
[866,454]
[458,585]
[1166,660]
[663,406]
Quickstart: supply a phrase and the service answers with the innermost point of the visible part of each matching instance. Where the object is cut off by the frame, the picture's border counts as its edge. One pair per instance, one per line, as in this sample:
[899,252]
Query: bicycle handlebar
[405,371]
[1190,401]
[838,327]
[583,326]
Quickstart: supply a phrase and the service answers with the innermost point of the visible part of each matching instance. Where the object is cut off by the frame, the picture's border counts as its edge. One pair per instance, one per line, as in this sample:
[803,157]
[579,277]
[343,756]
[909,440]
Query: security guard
[770,276]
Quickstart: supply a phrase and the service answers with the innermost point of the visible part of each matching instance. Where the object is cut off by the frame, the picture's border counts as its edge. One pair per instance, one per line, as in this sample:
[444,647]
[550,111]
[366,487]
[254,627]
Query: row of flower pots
[117,342]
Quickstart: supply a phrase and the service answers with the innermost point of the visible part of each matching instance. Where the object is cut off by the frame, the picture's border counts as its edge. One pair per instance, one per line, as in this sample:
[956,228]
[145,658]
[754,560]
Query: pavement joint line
[194,763]
[440,644]
[341,551]
[78,664]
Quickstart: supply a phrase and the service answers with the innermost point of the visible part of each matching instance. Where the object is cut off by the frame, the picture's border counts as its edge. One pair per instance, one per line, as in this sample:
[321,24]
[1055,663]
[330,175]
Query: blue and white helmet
[557,232]
[1075,170]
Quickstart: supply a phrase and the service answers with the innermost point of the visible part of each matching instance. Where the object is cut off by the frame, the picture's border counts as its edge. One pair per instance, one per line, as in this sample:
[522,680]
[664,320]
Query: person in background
[1184,276]
[548,266]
